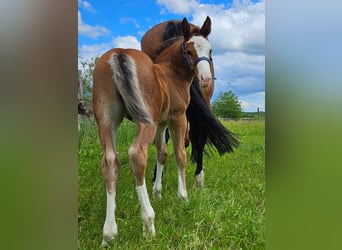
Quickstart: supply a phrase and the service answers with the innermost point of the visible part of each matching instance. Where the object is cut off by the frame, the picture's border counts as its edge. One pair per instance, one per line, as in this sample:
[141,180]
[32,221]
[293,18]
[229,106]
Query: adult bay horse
[126,83]
[204,126]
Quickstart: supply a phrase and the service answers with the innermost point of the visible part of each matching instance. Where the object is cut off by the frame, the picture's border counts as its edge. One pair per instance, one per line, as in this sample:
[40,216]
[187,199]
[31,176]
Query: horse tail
[207,126]
[126,82]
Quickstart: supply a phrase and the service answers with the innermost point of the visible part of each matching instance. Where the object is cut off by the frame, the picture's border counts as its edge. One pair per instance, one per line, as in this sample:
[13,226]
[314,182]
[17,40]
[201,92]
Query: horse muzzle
[205,82]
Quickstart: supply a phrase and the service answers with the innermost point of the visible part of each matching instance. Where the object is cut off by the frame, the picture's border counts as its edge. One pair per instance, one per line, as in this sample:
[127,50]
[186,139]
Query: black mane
[165,45]
[173,29]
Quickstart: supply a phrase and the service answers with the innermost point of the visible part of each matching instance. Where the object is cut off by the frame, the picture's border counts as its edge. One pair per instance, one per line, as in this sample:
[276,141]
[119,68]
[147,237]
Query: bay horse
[126,83]
[205,128]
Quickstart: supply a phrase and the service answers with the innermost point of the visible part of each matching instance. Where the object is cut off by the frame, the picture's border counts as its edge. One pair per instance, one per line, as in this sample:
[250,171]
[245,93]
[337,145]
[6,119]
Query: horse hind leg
[138,160]
[110,171]
[161,159]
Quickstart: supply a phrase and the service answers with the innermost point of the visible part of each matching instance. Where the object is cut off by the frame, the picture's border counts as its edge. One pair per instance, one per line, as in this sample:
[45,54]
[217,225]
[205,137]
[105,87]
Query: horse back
[128,75]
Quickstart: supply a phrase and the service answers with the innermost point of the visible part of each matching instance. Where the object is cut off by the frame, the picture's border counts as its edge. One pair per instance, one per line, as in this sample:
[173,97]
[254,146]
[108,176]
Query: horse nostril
[206,79]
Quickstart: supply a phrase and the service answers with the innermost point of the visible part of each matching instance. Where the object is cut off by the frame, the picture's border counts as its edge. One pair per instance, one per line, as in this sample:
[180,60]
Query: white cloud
[126,42]
[238,41]
[179,6]
[252,102]
[240,3]
[130,20]
[86,52]
[238,29]
[91,31]
[86,6]
[240,72]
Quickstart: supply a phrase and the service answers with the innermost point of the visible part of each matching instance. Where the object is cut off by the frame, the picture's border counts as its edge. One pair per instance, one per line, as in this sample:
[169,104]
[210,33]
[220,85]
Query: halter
[196,61]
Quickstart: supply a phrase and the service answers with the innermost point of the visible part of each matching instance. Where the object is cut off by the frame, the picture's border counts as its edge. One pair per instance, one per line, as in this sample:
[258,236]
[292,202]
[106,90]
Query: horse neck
[172,58]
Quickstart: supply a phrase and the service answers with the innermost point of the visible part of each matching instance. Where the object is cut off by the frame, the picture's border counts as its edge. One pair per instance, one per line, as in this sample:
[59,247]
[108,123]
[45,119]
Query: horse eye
[189,52]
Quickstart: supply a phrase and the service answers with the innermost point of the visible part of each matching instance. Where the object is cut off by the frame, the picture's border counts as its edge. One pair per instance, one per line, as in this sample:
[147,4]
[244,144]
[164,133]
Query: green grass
[228,213]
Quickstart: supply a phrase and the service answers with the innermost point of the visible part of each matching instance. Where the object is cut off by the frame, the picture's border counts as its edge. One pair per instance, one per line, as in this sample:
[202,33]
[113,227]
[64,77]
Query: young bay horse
[204,126]
[126,83]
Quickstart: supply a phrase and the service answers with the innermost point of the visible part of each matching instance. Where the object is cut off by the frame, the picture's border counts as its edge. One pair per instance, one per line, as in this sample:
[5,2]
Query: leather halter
[197,60]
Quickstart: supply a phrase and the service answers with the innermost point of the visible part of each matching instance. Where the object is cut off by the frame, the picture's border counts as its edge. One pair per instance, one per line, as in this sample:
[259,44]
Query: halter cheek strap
[186,56]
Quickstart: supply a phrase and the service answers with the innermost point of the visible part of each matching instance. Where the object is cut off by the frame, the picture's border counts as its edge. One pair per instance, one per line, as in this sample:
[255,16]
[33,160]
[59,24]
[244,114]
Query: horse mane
[172,33]
[164,46]
[172,29]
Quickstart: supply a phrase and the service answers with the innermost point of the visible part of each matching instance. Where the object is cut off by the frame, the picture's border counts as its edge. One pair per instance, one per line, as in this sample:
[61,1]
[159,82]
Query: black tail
[206,126]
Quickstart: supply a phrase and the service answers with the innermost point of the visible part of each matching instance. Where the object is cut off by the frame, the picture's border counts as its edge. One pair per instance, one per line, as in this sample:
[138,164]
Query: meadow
[228,213]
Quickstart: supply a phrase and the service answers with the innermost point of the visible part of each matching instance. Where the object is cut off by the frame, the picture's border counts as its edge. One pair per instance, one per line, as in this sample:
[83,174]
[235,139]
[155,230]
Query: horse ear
[206,27]
[186,29]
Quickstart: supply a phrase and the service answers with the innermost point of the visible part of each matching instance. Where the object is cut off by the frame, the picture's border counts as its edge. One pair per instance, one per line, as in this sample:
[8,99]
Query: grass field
[228,213]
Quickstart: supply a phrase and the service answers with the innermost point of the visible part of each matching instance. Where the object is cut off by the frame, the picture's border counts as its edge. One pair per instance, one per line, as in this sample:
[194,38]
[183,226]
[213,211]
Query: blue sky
[237,38]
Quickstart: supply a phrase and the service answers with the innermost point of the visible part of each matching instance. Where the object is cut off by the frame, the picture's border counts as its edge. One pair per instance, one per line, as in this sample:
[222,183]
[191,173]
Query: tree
[227,105]
[87,78]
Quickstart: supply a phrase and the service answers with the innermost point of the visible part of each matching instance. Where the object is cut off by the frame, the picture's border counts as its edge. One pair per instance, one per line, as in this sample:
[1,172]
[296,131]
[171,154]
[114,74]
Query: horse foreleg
[198,137]
[199,173]
[178,128]
[138,160]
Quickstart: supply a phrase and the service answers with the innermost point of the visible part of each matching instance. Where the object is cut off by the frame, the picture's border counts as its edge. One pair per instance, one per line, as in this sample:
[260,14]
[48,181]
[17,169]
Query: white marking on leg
[199,180]
[157,187]
[147,212]
[110,228]
[182,193]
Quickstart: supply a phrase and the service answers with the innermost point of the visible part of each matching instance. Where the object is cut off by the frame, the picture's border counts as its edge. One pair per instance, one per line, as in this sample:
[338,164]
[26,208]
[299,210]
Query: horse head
[197,51]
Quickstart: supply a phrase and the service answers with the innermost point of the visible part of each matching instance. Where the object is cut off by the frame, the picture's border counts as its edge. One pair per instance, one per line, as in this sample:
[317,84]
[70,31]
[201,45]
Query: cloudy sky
[237,38]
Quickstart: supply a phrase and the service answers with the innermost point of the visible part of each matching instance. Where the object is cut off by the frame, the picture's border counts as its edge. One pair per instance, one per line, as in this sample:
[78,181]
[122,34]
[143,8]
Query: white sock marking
[147,212]
[110,228]
[199,179]
[182,193]
[157,187]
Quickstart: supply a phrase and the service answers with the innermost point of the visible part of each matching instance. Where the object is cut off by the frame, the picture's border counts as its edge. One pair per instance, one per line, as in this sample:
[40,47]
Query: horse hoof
[156,191]
[157,194]
[104,244]
[183,197]
[109,232]
[199,180]
[149,230]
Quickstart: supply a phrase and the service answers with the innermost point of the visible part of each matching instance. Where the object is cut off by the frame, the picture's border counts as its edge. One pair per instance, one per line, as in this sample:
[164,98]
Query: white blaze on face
[203,48]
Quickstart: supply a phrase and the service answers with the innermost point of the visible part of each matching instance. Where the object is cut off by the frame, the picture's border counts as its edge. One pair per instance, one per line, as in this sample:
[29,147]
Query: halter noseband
[197,60]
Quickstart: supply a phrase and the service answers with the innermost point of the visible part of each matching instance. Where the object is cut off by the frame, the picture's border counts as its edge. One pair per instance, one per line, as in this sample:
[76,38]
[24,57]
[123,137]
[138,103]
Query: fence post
[258,113]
